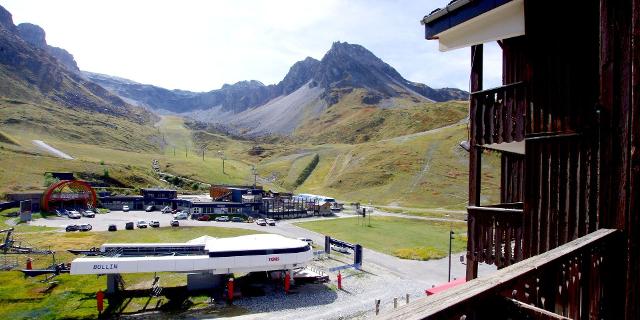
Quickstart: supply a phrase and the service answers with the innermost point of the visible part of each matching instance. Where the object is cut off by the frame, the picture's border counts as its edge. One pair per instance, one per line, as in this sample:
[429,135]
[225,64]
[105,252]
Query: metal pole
[450,238]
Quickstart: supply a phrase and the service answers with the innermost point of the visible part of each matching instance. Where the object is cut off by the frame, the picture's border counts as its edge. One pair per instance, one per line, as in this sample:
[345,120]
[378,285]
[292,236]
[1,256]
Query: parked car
[261,222]
[307,240]
[142,224]
[181,215]
[175,223]
[205,217]
[271,222]
[222,219]
[85,227]
[150,208]
[89,214]
[71,227]
[125,208]
[340,249]
[129,225]
[154,224]
[237,219]
[73,214]
[112,227]
[167,209]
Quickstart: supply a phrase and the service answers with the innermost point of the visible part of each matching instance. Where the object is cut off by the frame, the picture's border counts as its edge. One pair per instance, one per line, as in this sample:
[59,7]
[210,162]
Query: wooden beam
[632,292]
[475,153]
[535,312]
[475,162]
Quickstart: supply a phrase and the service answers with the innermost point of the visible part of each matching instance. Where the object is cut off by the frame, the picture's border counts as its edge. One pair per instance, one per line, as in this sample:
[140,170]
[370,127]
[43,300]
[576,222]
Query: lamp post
[450,242]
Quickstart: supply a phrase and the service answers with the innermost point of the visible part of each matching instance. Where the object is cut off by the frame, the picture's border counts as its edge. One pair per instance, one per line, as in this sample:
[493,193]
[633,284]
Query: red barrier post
[230,291]
[287,282]
[100,301]
[29,264]
[339,280]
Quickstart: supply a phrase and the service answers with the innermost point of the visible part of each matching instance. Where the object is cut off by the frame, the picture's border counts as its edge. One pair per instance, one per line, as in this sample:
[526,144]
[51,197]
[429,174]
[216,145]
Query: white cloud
[200,45]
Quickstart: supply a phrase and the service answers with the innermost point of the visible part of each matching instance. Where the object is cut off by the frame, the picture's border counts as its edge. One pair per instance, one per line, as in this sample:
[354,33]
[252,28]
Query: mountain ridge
[253,108]
[333,72]
[33,70]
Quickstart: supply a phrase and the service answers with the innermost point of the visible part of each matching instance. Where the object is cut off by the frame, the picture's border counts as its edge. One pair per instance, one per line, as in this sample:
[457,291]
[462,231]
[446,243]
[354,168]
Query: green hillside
[351,121]
[426,170]
[105,149]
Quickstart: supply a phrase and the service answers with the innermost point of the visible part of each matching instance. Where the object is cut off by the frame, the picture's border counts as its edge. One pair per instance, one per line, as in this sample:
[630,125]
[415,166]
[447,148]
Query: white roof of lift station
[259,252]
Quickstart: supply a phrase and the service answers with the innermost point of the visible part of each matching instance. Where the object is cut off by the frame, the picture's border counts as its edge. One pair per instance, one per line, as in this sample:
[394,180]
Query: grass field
[405,238]
[28,298]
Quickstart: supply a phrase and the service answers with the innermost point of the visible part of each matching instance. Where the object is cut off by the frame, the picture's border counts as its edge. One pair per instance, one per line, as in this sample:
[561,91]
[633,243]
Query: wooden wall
[619,91]
[512,178]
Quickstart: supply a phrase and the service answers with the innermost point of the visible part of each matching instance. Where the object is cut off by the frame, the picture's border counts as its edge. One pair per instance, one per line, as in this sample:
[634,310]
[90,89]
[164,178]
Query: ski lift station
[205,257]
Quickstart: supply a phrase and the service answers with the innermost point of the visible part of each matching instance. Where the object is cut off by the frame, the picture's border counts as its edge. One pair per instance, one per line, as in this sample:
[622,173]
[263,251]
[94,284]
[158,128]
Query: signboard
[25,210]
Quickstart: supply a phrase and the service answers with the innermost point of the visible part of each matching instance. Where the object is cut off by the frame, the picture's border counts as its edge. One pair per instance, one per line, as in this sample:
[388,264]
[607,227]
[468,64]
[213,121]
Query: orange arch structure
[65,191]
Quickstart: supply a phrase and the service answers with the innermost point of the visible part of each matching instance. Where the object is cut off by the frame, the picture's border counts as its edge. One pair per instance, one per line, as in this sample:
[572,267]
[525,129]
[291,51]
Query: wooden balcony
[578,280]
[498,115]
[495,234]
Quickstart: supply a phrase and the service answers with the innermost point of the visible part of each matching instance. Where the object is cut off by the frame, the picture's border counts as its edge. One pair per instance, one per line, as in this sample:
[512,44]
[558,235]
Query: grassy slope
[393,235]
[424,171]
[350,121]
[28,298]
[99,142]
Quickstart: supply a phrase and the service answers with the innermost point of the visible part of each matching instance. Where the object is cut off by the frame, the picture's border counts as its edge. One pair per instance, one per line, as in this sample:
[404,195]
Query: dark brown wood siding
[512,178]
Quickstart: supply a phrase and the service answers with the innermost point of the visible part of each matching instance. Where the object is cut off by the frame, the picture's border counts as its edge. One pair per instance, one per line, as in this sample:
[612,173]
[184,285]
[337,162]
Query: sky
[201,45]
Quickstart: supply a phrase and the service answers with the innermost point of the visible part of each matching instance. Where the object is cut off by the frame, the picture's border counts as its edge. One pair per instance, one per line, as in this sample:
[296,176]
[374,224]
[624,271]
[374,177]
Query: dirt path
[432,131]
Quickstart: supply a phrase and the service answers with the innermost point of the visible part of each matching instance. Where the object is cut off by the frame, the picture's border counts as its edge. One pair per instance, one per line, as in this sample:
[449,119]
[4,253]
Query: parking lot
[102,221]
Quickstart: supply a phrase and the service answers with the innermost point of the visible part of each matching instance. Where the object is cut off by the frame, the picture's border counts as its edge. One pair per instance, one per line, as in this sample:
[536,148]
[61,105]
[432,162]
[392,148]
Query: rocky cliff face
[30,71]
[36,36]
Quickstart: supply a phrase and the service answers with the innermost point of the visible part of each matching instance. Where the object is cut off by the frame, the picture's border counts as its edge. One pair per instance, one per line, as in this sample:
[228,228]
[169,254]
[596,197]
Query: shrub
[105,173]
[307,170]
[419,253]
[49,179]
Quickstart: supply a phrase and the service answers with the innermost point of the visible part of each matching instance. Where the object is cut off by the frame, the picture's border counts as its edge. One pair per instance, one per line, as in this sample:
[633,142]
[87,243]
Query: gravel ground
[357,298]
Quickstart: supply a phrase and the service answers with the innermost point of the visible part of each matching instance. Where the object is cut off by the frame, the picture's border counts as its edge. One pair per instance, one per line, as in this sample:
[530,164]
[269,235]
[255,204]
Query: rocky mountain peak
[348,65]
[32,34]
[6,20]
[299,74]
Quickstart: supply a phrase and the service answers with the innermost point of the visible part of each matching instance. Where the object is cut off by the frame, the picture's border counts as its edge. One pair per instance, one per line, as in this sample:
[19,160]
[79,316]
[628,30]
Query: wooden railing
[498,115]
[495,234]
[577,280]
